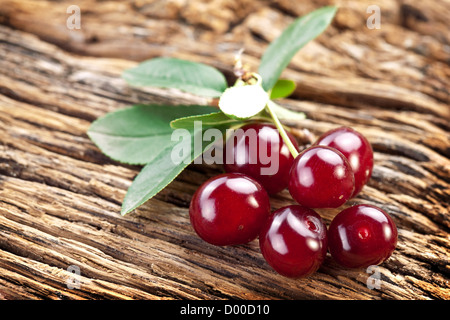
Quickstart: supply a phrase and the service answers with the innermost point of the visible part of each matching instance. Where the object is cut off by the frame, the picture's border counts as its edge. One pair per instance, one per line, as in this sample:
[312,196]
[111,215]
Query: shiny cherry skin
[294,241]
[259,152]
[321,177]
[361,235]
[229,209]
[356,148]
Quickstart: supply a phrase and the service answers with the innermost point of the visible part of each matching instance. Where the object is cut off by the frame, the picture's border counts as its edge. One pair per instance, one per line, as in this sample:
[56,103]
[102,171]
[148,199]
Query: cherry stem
[281,129]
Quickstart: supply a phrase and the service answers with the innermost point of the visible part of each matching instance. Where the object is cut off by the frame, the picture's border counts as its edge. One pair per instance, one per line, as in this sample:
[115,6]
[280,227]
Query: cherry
[259,152]
[356,148]
[293,241]
[229,209]
[361,236]
[321,177]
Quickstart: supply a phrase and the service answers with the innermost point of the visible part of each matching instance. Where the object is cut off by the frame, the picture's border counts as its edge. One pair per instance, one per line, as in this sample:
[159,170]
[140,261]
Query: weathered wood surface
[60,197]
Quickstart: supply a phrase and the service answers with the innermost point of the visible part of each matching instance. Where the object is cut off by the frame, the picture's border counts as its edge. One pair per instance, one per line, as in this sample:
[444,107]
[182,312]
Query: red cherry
[361,236]
[321,177]
[356,148]
[229,209]
[293,241]
[258,151]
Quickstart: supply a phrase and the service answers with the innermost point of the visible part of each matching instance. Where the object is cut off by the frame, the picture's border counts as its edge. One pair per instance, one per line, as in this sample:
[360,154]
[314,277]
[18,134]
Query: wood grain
[60,196]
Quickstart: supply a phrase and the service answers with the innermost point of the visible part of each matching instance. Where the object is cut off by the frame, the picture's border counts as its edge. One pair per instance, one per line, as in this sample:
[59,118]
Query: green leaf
[162,170]
[154,177]
[282,89]
[294,37]
[208,120]
[193,77]
[138,134]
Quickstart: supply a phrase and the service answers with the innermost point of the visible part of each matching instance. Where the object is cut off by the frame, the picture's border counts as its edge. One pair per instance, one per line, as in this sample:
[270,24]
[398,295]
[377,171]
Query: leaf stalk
[281,129]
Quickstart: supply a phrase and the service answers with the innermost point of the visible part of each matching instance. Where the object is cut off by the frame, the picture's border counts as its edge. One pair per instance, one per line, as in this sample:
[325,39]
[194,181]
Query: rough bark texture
[60,197]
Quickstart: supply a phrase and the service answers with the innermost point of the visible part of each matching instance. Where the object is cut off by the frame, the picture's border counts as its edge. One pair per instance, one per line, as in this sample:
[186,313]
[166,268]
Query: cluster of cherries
[233,208]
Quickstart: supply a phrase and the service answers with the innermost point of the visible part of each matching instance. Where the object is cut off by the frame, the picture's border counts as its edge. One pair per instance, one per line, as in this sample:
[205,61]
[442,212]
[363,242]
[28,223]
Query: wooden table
[61,233]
